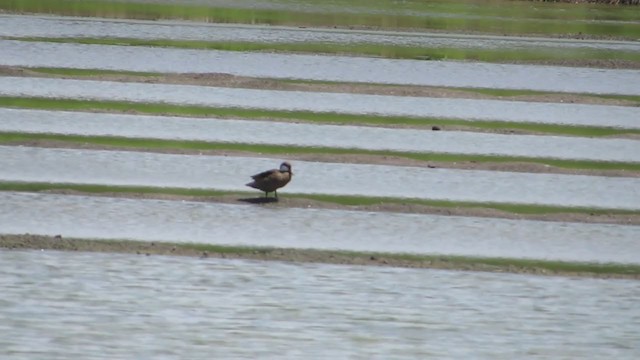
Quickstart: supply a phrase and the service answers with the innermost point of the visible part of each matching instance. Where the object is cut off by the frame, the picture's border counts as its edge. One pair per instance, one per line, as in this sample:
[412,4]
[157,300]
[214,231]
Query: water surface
[347,103]
[74,27]
[325,68]
[106,306]
[309,135]
[255,225]
[28,164]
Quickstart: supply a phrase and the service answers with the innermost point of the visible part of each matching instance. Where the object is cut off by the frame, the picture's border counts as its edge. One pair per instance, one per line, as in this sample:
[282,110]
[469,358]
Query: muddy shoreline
[58,243]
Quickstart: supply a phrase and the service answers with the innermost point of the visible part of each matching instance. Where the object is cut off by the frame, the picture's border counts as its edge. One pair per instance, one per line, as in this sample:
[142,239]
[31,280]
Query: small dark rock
[436,128]
[431,166]
[58,237]
[373,258]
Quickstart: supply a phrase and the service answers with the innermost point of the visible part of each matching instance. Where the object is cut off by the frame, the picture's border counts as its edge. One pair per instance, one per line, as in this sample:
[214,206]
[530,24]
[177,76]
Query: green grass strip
[378,50]
[345,200]
[507,17]
[319,118]
[90,72]
[157,144]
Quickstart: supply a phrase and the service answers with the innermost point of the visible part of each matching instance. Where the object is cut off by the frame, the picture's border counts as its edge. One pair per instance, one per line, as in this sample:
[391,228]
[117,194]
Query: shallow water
[466,109]
[53,26]
[106,306]
[275,133]
[28,164]
[255,225]
[325,68]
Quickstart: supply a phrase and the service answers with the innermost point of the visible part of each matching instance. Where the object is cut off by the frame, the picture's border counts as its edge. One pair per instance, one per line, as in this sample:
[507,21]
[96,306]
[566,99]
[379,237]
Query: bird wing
[264,174]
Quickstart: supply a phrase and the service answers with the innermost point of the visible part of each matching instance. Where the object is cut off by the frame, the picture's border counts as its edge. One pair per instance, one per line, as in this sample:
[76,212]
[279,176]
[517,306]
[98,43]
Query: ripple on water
[56,26]
[104,306]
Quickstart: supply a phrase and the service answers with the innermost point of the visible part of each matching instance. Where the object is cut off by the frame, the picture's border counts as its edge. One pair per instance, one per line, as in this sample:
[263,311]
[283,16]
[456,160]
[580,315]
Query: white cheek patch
[284,168]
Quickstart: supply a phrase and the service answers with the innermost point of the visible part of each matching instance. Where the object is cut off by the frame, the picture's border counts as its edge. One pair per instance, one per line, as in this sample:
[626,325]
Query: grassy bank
[498,17]
[506,265]
[341,200]
[533,55]
[303,116]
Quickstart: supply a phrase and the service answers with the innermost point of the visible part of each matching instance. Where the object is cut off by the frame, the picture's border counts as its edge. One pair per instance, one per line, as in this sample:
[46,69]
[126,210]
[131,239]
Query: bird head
[285,167]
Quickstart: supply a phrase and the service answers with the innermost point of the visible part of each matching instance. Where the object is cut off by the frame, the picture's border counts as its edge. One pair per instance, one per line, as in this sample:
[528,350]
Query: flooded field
[25,164]
[73,27]
[75,305]
[105,306]
[323,68]
[214,223]
[466,109]
[308,135]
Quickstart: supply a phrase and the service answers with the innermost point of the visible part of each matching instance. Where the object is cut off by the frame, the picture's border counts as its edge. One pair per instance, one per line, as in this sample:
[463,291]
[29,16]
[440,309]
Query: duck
[272,180]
